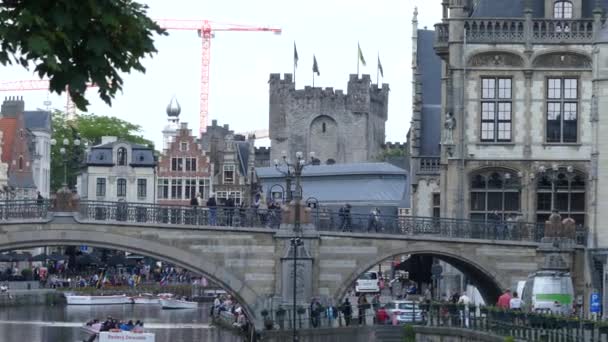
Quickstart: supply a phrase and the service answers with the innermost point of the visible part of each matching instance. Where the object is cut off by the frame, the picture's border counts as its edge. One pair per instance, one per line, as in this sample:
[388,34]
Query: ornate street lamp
[552,175]
[64,155]
[289,170]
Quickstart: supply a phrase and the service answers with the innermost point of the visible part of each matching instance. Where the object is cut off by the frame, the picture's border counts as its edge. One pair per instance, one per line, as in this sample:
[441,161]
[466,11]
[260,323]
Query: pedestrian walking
[347,311]
[345,218]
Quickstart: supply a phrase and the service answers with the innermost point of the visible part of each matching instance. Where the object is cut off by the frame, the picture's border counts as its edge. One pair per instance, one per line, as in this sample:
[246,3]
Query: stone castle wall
[344,127]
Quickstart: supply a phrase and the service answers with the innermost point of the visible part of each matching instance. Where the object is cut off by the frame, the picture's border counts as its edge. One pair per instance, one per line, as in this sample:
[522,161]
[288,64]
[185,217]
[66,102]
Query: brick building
[184,169]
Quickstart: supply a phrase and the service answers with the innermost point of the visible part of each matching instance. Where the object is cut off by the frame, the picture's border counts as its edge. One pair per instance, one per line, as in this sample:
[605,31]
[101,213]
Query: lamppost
[296,242]
[64,155]
[294,170]
[553,176]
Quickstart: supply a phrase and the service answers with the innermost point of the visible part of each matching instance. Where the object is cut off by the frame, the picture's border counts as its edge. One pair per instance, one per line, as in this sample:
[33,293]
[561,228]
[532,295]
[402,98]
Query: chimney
[12,106]
[108,139]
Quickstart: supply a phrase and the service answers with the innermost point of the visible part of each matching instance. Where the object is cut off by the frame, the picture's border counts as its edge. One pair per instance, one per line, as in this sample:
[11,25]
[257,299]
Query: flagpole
[313,78]
[358,58]
[378,71]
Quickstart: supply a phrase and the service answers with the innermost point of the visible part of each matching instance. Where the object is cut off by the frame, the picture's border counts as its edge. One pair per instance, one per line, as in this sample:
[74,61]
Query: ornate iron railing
[179,215]
[23,210]
[323,220]
[439,227]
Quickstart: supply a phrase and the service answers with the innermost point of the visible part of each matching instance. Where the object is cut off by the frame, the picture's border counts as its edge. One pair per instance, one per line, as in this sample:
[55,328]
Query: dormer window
[562,10]
[122,156]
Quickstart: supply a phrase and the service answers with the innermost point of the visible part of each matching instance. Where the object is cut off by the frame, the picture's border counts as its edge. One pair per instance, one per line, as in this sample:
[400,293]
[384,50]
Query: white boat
[145,298]
[177,304]
[97,300]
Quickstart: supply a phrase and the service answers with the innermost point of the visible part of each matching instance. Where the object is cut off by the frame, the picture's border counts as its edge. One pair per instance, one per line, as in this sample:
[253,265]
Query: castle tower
[170,130]
[338,127]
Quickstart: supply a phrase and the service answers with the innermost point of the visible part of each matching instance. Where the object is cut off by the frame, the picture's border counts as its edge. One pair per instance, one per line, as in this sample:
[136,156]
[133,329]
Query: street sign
[595,305]
[436,269]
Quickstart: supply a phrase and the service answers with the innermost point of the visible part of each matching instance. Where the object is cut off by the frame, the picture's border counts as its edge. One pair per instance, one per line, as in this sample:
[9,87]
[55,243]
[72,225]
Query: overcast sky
[242,61]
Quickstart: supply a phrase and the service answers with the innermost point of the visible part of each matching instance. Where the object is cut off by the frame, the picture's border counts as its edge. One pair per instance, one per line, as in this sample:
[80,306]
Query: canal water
[62,323]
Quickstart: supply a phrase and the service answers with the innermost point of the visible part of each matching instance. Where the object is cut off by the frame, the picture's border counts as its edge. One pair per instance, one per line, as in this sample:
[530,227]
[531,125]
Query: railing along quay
[520,325]
[23,210]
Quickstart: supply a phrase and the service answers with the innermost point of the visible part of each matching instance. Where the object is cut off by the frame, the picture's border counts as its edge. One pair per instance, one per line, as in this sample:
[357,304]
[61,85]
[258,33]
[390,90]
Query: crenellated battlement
[262,150]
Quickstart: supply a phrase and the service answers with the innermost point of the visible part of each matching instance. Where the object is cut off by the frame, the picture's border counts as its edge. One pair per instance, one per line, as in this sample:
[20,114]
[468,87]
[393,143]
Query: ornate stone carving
[562,60]
[496,59]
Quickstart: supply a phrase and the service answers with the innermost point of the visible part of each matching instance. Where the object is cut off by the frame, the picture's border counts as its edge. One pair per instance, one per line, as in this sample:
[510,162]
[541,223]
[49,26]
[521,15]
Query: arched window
[20,163]
[562,10]
[122,156]
[495,195]
[324,128]
[561,190]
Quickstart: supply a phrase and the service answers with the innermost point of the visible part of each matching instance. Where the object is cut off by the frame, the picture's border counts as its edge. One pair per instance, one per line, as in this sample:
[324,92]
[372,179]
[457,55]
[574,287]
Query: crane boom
[205,29]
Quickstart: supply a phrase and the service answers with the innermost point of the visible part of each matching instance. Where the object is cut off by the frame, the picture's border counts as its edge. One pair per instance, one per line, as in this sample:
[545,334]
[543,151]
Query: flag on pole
[315,67]
[361,58]
[295,55]
[380,67]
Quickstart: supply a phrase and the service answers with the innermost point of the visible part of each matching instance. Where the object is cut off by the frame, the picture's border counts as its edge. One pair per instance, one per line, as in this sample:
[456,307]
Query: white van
[367,283]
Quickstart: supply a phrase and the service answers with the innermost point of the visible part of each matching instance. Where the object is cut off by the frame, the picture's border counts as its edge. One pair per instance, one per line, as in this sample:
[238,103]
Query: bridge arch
[231,283]
[488,283]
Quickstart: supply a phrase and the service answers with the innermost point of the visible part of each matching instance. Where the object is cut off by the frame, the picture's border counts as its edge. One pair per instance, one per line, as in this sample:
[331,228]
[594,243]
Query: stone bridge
[253,264]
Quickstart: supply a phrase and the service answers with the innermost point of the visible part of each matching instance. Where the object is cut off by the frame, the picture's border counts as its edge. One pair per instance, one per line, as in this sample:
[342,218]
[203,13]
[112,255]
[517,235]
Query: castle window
[203,187]
[20,163]
[183,146]
[324,128]
[562,191]
[562,10]
[495,195]
[496,109]
[436,205]
[121,187]
[190,164]
[562,110]
[122,156]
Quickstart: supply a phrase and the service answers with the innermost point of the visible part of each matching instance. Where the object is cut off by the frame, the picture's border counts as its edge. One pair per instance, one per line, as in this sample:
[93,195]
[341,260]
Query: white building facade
[118,171]
[39,124]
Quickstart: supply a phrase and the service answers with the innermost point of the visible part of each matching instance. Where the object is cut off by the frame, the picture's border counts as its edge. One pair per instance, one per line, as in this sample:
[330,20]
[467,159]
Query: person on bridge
[362,305]
[229,208]
[381,315]
[345,219]
[212,205]
[504,301]
[515,302]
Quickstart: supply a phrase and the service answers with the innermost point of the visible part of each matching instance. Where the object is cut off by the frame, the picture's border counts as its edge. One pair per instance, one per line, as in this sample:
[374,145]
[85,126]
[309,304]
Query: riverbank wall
[31,297]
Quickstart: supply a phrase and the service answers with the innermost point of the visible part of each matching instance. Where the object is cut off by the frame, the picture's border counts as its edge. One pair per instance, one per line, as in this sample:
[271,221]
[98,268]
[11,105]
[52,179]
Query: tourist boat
[92,333]
[97,300]
[177,304]
[145,298]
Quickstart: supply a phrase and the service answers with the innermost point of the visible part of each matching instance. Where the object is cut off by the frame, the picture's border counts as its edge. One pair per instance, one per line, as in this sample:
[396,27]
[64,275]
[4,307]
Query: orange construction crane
[22,85]
[205,30]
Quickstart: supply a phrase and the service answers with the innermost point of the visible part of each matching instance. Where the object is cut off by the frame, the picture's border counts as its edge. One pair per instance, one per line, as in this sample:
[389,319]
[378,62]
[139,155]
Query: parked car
[405,311]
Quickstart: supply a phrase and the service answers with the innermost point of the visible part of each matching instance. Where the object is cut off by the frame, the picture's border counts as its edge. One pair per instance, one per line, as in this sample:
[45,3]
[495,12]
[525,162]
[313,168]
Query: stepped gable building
[233,159]
[524,84]
[184,170]
[424,135]
[118,171]
[339,127]
[23,149]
